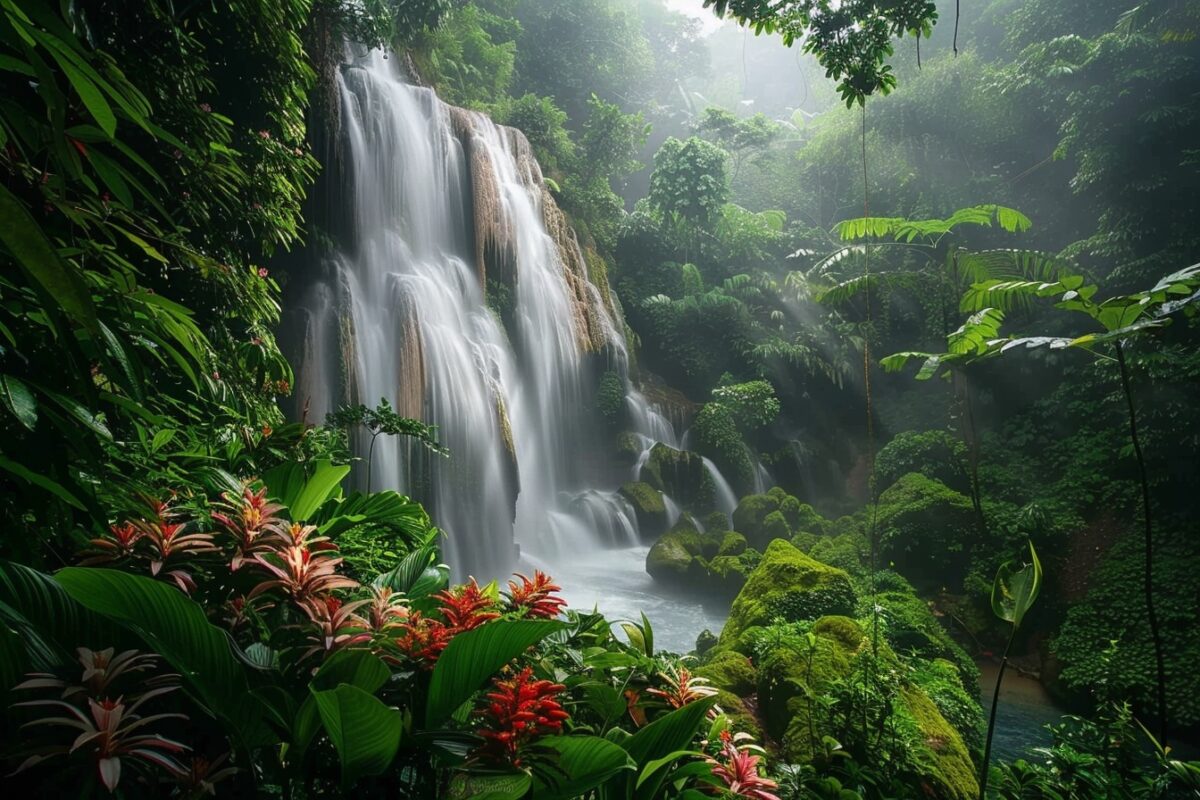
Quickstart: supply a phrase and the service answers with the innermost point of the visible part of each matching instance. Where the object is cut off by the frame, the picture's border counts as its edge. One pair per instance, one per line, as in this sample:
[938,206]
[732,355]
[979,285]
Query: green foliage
[1105,644]
[1015,590]
[470,56]
[851,40]
[544,125]
[752,404]
[689,182]
[610,398]
[926,529]
[934,454]
[718,437]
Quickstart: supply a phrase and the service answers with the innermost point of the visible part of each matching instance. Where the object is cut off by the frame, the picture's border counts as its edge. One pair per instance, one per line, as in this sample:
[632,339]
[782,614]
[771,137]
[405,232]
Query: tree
[851,39]
[690,181]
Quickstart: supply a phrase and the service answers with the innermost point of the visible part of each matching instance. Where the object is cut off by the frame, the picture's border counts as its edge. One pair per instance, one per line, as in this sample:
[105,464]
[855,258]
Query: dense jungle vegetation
[918,278]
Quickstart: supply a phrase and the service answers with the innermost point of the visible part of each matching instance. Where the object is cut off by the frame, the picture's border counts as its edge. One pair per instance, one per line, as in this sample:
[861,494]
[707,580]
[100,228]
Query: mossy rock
[741,718]
[788,584]
[943,761]
[802,516]
[725,574]
[730,671]
[732,544]
[847,551]
[751,511]
[925,528]
[805,541]
[716,521]
[705,642]
[789,680]
[670,558]
[628,447]
[785,673]
[680,474]
[648,508]
[777,493]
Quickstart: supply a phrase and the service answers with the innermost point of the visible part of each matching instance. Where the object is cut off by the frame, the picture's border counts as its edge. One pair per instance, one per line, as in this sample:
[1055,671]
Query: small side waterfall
[453,288]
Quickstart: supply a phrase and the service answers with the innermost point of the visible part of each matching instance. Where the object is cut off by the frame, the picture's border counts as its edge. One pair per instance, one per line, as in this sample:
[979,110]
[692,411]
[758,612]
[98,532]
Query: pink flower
[264,134]
[740,773]
[262,272]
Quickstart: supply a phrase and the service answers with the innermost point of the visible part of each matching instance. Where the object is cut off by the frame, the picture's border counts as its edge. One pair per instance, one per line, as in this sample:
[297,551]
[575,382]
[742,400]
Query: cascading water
[442,211]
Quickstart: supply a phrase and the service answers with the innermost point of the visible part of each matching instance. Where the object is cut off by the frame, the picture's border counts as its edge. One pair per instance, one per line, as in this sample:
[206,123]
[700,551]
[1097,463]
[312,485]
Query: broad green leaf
[175,627]
[416,575]
[357,668]
[489,786]
[41,263]
[42,482]
[667,734]
[92,97]
[364,731]
[473,657]
[18,400]
[650,770]
[584,762]
[303,495]
[1015,590]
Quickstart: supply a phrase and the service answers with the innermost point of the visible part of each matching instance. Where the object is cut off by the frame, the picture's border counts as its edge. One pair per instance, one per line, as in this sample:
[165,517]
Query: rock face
[790,585]
[671,558]
[682,476]
[648,507]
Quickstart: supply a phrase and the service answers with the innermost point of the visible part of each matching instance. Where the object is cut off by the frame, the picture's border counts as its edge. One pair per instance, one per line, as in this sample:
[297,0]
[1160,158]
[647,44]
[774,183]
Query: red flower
[424,639]
[519,710]
[535,596]
[466,607]
[301,573]
[739,772]
[118,543]
[337,624]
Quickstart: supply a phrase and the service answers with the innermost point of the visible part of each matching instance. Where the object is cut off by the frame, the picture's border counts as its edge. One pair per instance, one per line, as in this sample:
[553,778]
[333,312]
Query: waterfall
[453,287]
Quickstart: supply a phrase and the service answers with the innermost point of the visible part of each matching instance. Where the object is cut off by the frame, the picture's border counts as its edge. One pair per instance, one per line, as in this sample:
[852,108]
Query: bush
[717,437]
[926,529]
[934,454]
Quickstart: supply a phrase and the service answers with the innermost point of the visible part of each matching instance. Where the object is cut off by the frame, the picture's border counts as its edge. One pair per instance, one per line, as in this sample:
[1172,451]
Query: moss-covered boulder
[788,584]
[730,671]
[943,761]
[629,447]
[790,682]
[740,716]
[848,551]
[732,544]
[705,642]
[648,508]
[724,575]
[671,556]
[805,541]
[802,516]
[679,555]
[681,474]
[716,521]
[751,511]
[925,529]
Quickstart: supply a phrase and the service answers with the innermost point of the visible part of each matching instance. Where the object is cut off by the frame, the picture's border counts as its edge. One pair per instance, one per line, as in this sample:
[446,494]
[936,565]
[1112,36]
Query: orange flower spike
[466,607]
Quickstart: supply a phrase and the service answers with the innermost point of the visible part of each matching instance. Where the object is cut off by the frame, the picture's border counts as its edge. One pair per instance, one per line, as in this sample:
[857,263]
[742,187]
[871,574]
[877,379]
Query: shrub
[934,454]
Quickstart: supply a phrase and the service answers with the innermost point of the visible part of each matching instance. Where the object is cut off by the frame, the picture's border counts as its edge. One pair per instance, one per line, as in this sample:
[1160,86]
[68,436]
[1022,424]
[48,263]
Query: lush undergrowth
[191,604]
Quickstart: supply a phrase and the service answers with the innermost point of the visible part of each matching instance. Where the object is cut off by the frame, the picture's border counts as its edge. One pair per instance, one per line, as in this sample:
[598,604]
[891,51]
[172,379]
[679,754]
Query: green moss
[802,516]
[730,671]
[628,446]
[741,718]
[681,474]
[777,493]
[943,761]
[705,642]
[671,556]
[774,526]
[716,521]
[732,544]
[787,674]
[805,541]
[750,513]
[925,528]
[848,551]
[726,574]
[648,507]
[788,582]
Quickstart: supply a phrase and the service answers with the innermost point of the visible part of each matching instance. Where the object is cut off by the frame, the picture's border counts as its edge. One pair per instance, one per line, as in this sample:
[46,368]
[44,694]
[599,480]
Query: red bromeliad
[337,624]
[466,607]
[739,772]
[301,573]
[519,710]
[249,520]
[169,541]
[386,611]
[117,544]
[535,596]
